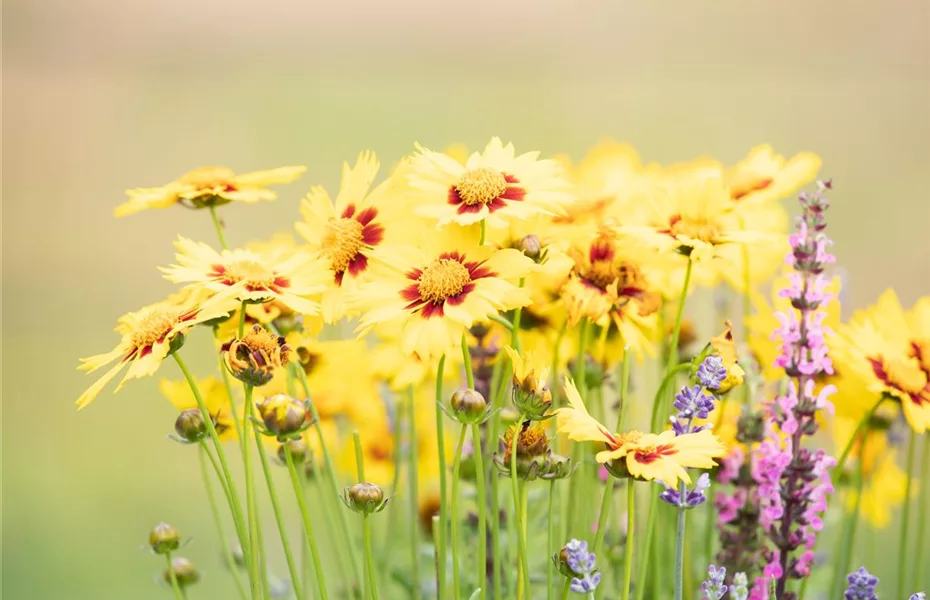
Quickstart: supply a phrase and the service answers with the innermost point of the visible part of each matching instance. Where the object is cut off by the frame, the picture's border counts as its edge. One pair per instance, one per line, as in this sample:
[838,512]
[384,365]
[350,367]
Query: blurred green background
[103,95]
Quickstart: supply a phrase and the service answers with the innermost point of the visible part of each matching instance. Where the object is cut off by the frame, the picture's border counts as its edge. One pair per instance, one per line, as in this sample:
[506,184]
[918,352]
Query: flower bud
[284,416]
[365,498]
[298,450]
[164,539]
[190,425]
[531,247]
[469,406]
[254,358]
[184,571]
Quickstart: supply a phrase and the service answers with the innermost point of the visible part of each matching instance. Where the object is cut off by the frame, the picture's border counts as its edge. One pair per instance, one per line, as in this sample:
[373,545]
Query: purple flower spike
[861,585]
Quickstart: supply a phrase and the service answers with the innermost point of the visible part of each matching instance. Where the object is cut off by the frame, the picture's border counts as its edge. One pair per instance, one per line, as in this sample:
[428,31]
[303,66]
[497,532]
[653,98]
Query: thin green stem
[308,524]
[482,511]
[523,579]
[233,499]
[330,474]
[203,453]
[680,544]
[628,550]
[466,359]
[550,566]
[443,517]
[922,510]
[413,491]
[848,539]
[676,331]
[369,559]
[515,332]
[453,510]
[906,518]
[218,225]
[279,518]
[173,578]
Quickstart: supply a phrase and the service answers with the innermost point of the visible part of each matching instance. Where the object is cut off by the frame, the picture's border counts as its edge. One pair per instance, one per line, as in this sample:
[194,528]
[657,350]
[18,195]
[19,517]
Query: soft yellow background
[104,95]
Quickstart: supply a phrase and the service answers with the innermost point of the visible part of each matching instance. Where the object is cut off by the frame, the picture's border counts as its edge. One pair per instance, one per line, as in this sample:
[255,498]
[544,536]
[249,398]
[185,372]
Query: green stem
[218,225]
[330,474]
[482,511]
[453,509]
[279,518]
[173,578]
[906,518]
[203,453]
[923,509]
[523,581]
[515,331]
[369,559]
[673,349]
[413,491]
[466,359]
[550,570]
[443,517]
[628,551]
[308,524]
[680,544]
[234,505]
[848,540]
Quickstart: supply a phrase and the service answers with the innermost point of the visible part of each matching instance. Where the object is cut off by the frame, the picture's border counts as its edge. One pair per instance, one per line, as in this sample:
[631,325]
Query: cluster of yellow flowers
[447,241]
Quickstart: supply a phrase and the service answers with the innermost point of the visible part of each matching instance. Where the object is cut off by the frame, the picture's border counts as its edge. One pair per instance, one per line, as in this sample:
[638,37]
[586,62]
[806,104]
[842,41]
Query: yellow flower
[215,398]
[439,290]
[644,455]
[248,276]
[209,186]
[692,215]
[345,231]
[496,185]
[890,349]
[764,176]
[608,286]
[149,335]
[725,348]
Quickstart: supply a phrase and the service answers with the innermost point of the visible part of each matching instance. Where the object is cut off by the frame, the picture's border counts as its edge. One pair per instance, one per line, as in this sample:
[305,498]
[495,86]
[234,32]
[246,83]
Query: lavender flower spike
[861,585]
[713,586]
[580,563]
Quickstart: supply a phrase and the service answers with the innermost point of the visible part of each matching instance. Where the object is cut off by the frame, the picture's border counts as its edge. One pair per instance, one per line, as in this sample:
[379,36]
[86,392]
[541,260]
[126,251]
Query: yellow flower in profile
[890,349]
[645,456]
[764,176]
[440,289]
[149,335]
[252,277]
[691,214]
[345,231]
[608,286]
[496,185]
[209,186]
[215,398]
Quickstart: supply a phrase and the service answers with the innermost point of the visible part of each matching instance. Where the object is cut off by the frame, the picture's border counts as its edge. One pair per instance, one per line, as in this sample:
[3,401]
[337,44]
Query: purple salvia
[793,482]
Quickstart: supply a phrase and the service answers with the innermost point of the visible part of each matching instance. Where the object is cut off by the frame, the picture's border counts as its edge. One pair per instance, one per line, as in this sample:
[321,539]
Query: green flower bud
[164,539]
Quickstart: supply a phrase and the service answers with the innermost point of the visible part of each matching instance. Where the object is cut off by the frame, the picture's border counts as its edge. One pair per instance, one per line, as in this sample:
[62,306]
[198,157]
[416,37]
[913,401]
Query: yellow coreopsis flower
[215,398]
[691,214]
[496,185]
[441,288]
[149,335]
[251,277]
[347,230]
[890,349]
[209,186]
[764,176]
[608,286]
[645,456]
